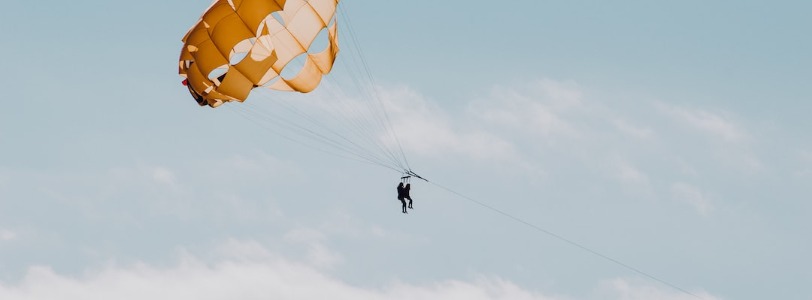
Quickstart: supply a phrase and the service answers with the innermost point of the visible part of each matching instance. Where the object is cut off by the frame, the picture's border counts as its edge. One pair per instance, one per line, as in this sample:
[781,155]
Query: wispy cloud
[629,174]
[163,175]
[730,142]
[177,190]
[714,124]
[805,163]
[633,130]
[692,196]
[4,177]
[629,289]
[317,252]
[7,235]
[538,109]
[425,129]
[418,125]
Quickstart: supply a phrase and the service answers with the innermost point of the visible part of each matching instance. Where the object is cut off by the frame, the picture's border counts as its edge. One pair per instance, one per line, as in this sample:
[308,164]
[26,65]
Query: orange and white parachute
[238,45]
[289,45]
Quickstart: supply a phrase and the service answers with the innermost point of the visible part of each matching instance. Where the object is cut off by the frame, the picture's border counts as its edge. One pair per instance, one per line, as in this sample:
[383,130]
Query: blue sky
[670,136]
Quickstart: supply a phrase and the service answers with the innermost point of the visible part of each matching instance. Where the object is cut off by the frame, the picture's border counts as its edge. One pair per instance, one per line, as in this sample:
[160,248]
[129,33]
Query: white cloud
[805,165]
[421,127]
[317,252]
[7,235]
[163,175]
[629,174]
[742,159]
[538,109]
[705,121]
[194,280]
[4,178]
[693,196]
[245,270]
[633,130]
[806,157]
[425,129]
[379,231]
[258,163]
[561,94]
[731,141]
[192,189]
[626,289]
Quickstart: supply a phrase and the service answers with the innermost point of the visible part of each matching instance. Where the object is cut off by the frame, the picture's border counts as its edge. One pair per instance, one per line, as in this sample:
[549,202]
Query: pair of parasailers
[403,194]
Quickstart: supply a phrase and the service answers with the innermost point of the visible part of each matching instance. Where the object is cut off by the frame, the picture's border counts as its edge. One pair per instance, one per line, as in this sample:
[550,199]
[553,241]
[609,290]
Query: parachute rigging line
[358,123]
[199,47]
[566,240]
[316,129]
[371,78]
[361,125]
[350,155]
[321,139]
[362,128]
[322,131]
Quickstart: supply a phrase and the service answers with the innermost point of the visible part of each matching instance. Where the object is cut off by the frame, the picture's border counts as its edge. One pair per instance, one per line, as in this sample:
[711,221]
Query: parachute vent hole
[276,15]
[217,75]
[294,66]
[332,21]
[240,51]
[237,58]
[320,43]
[271,82]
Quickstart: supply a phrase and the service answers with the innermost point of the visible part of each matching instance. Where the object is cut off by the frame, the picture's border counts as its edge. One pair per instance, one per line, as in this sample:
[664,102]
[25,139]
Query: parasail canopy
[238,45]
[289,45]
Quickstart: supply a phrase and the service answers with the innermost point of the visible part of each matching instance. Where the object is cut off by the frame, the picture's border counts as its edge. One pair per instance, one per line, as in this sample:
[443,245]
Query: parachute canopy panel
[238,45]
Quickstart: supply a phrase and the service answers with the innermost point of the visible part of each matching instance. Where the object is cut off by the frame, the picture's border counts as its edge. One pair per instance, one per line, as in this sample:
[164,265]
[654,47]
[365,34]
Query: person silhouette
[406,194]
[402,196]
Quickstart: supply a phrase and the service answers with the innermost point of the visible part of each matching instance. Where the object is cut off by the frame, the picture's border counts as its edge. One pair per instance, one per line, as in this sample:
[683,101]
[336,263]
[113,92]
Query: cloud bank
[246,270]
